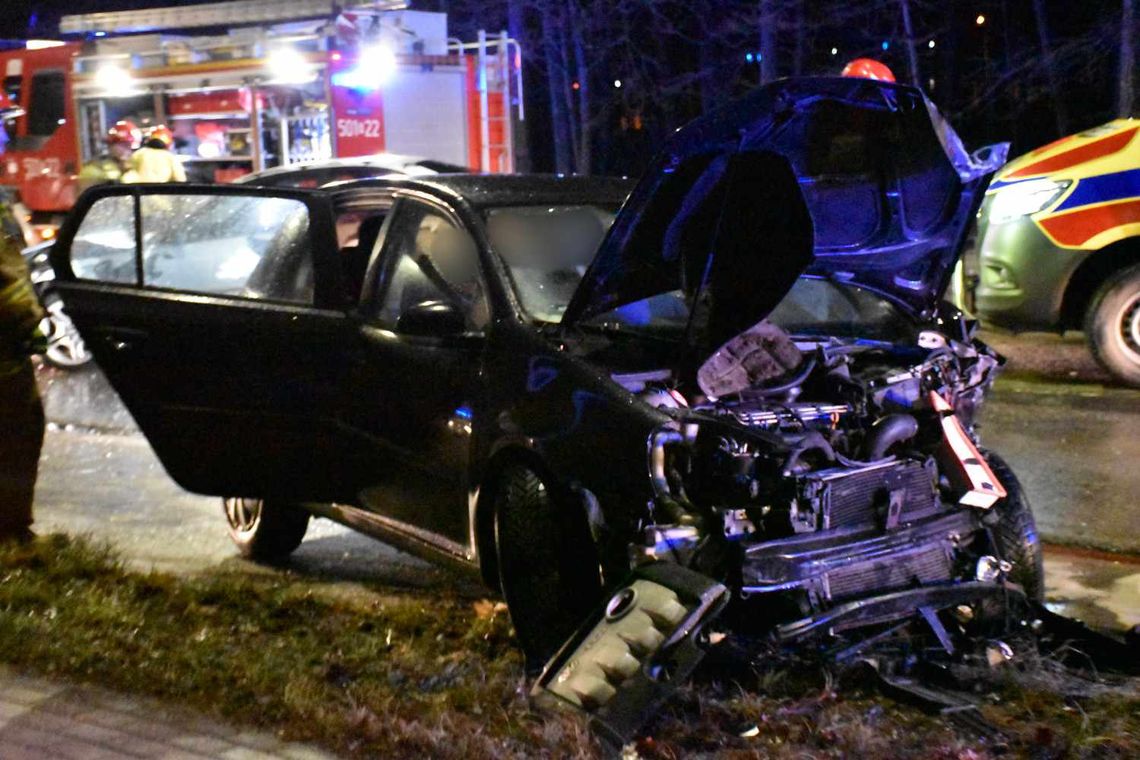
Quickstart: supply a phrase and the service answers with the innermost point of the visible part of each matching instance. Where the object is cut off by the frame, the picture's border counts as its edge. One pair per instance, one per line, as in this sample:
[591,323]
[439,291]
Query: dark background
[677,59]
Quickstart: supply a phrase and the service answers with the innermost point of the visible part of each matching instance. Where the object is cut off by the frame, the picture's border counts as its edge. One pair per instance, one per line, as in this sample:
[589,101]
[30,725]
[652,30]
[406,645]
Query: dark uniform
[21,413]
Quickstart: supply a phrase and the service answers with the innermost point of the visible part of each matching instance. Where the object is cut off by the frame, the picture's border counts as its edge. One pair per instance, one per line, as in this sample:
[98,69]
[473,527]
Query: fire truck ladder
[494,73]
[227,14]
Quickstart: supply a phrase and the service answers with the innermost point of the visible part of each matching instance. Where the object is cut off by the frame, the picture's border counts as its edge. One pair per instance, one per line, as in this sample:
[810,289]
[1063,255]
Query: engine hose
[889,430]
[809,367]
[659,478]
[812,441]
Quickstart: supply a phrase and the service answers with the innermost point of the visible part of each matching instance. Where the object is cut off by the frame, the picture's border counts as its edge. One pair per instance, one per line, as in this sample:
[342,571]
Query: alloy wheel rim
[243,513]
[1129,325]
[65,345]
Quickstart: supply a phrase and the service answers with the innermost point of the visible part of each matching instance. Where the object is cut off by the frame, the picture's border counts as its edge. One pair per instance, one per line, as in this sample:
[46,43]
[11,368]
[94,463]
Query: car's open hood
[853,179]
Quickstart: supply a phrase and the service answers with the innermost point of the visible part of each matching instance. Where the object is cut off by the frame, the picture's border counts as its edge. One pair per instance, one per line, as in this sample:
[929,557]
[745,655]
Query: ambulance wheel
[1112,325]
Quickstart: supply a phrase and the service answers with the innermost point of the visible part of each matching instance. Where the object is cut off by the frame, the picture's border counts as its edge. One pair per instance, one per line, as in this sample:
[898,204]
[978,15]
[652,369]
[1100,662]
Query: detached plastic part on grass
[635,652]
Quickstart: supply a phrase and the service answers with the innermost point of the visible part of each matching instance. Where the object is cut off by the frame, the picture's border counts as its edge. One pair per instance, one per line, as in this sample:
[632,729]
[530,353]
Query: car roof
[388,161]
[482,190]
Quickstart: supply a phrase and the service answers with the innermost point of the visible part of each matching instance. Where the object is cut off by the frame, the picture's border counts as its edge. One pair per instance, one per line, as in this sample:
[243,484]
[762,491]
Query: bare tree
[557,84]
[768,20]
[911,54]
[1050,65]
[1127,60]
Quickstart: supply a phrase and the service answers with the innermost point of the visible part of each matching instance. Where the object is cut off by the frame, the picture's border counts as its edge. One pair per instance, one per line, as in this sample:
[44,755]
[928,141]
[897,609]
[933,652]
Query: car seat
[355,258]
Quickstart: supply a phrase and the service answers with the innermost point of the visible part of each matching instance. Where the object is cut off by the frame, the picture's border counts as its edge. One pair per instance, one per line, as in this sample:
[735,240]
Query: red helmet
[124,132]
[868,68]
[161,133]
[8,109]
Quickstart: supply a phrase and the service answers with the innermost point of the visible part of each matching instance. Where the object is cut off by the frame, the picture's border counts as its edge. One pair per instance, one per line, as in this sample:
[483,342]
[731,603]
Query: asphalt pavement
[1055,416]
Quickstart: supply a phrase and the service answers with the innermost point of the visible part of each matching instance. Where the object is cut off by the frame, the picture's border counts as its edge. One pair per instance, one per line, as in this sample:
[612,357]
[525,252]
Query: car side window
[246,246]
[104,245]
[357,231]
[428,258]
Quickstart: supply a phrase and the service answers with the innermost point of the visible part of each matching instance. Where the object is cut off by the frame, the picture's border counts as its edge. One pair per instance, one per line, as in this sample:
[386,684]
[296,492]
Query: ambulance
[1059,249]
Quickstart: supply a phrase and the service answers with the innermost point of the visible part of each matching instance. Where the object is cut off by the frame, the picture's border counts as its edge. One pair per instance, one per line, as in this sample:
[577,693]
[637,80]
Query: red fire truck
[259,83]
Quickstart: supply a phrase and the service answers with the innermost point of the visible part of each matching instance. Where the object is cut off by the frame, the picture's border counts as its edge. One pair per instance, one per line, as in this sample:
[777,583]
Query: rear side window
[242,246]
[46,105]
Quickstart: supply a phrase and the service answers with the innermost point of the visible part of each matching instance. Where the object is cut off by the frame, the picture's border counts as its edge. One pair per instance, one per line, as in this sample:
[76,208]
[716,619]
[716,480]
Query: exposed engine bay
[852,473]
[834,501]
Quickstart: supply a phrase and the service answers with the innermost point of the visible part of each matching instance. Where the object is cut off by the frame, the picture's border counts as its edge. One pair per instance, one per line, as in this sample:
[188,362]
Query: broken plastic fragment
[760,354]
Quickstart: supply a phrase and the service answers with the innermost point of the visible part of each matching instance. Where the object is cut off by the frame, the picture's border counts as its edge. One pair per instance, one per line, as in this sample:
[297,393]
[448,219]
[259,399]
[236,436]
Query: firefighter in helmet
[21,413]
[154,161]
[8,112]
[122,139]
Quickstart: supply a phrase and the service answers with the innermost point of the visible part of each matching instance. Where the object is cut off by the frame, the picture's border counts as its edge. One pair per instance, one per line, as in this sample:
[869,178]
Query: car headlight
[1024,198]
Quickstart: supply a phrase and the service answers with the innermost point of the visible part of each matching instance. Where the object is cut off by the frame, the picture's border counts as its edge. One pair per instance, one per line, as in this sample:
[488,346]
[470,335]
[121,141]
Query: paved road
[1072,436]
[1055,416]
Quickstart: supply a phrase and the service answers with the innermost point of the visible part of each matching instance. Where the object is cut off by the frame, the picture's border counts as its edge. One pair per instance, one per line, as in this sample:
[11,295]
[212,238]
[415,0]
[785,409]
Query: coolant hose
[889,430]
[658,477]
[810,441]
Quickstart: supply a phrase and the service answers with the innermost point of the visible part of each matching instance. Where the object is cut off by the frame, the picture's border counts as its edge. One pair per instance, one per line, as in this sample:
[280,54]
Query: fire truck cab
[253,84]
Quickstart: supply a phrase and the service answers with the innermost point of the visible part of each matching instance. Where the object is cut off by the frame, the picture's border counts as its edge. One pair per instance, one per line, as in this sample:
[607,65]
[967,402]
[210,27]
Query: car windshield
[547,250]
[813,307]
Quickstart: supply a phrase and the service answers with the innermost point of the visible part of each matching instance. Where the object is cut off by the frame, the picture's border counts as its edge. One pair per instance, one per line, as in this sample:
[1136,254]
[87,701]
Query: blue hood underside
[849,179]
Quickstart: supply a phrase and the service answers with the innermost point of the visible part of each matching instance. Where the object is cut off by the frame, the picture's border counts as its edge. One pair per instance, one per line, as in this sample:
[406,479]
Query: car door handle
[123,339]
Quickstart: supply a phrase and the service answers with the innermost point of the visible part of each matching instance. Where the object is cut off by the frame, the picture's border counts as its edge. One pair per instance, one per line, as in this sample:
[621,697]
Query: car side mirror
[431,318]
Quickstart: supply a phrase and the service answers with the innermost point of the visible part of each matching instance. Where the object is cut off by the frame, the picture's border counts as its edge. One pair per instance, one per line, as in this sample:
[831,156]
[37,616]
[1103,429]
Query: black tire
[548,567]
[1112,324]
[266,531]
[1015,532]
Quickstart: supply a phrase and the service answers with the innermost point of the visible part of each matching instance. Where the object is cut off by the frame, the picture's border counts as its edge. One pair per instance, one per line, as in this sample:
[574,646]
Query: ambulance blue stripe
[1103,188]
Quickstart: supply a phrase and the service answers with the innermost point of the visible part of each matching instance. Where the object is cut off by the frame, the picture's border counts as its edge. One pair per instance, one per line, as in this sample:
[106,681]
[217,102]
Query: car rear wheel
[548,567]
[266,531]
[1112,325]
[1016,531]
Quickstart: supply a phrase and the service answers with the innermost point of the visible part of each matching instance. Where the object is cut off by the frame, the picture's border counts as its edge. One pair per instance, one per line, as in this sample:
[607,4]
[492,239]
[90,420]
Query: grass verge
[423,674]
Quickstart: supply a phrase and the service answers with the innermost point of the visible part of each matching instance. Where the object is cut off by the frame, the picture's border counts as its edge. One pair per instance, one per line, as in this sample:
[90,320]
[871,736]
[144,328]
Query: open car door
[217,314]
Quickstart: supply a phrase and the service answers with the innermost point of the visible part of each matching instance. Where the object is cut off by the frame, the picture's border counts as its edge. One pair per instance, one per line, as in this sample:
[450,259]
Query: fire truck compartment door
[425,114]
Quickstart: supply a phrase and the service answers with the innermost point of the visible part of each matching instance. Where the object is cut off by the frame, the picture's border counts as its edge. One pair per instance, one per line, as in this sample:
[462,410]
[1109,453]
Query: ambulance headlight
[1023,198]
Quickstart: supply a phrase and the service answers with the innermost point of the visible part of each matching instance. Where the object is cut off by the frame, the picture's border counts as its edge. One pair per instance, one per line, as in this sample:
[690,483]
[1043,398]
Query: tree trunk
[767,41]
[557,87]
[911,54]
[1127,60]
[516,29]
[568,100]
[585,133]
[1050,67]
[798,55]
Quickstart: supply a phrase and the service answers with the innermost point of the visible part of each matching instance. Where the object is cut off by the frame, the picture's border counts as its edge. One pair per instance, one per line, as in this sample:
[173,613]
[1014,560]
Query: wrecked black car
[751,396]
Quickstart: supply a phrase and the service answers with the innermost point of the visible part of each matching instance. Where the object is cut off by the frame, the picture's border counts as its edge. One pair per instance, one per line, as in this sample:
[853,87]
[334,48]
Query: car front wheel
[1112,325]
[1015,531]
[548,567]
[266,531]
